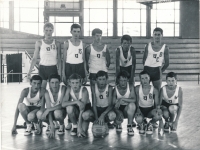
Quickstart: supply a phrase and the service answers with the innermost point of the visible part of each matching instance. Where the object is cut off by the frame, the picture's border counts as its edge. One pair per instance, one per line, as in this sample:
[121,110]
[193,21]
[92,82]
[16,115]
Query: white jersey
[123,61]
[146,100]
[59,100]
[34,101]
[102,98]
[48,54]
[73,96]
[74,53]
[155,59]
[126,95]
[97,60]
[173,99]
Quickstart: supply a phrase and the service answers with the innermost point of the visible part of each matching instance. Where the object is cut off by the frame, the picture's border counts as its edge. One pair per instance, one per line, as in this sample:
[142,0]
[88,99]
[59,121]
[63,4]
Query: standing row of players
[143,102]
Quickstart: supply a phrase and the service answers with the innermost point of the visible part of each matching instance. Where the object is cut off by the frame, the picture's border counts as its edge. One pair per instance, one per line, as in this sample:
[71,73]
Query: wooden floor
[187,137]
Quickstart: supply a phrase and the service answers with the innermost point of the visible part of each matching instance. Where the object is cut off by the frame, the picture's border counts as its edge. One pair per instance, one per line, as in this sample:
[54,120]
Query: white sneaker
[38,127]
[28,129]
[56,125]
[69,126]
[48,129]
[61,130]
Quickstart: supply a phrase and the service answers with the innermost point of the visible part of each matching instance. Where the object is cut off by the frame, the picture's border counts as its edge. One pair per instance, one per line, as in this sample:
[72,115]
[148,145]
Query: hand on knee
[22,107]
[31,117]
[39,114]
[70,110]
[173,109]
[139,118]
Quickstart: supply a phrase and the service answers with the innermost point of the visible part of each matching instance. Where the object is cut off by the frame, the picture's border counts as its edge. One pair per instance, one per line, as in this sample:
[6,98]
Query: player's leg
[88,116]
[157,84]
[166,115]
[79,69]
[59,115]
[173,112]
[141,121]
[39,116]
[92,78]
[130,110]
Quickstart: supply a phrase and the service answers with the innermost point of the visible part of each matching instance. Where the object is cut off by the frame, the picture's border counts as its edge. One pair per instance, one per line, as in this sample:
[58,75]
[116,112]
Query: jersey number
[170,101]
[98,55]
[31,104]
[101,96]
[76,55]
[145,97]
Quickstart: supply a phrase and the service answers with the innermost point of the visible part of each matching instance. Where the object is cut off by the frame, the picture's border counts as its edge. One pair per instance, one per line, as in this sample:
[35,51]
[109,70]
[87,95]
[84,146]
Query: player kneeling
[78,106]
[124,99]
[34,101]
[147,98]
[102,100]
[171,96]
[54,111]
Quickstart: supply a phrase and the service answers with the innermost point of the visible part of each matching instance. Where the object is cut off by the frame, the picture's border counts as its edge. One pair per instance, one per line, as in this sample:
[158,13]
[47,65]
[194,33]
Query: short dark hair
[36,77]
[171,75]
[75,26]
[96,30]
[101,74]
[48,25]
[158,29]
[75,76]
[143,72]
[126,37]
[123,74]
[54,76]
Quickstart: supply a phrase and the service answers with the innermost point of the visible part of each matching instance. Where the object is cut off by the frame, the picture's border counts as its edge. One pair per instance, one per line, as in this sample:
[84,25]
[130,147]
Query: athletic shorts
[122,107]
[146,110]
[127,69]
[74,68]
[154,73]
[88,106]
[100,110]
[31,108]
[164,103]
[46,71]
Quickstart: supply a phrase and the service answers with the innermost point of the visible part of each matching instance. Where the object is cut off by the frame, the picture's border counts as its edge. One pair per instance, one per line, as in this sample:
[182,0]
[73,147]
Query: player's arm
[107,57]
[21,98]
[117,61]
[65,48]
[84,59]
[94,102]
[133,62]
[160,96]
[137,98]
[66,100]
[145,54]
[58,46]
[114,100]
[42,97]
[34,59]
[87,56]
[132,97]
[166,58]
[180,102]
[156,98]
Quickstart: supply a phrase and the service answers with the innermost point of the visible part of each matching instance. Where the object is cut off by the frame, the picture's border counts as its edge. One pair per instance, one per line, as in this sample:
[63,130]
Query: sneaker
[68,127]
[130,130]
[155,125]
[61,129]
[119,128]
[74,131]
[133,124]
[110,125]
[142,128]
[56,125]
[149,128]
[38,127]
[48,129]
[166,127]
[28,129]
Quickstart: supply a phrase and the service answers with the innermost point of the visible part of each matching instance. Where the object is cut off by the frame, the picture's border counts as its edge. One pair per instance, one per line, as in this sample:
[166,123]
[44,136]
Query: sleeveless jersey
[58,101]
[34,101]
[173,99]
[125,62]
[73,96]
[154,59]
[97,60]
[48,54]
[102,98]
[126,95]
[146,100]
[74,53]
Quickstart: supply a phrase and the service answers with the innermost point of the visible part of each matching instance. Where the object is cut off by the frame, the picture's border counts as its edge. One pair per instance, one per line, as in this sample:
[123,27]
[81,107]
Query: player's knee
[111,115]
[70,109]
[139,118]
[39,114]
[22,107]
[173,109]
[132,107]
[31,116]
[165,114]
[58,114]
[86,116]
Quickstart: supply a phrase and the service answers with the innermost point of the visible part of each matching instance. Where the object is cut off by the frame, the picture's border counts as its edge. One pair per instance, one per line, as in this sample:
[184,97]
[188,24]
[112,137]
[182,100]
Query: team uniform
[97,62]
[153,62]
[125,63]
[146,102]
[48,59]
[168,101]
[126,95]
[34,102]
[74,60]
[102,99]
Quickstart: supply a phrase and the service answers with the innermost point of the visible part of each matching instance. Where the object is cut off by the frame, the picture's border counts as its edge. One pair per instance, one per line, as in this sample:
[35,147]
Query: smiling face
[157,36]
[171,82]
[76,33]
[144,79]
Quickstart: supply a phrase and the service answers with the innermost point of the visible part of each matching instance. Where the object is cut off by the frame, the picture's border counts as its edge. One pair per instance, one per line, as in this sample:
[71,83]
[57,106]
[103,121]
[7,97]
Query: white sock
[75,126]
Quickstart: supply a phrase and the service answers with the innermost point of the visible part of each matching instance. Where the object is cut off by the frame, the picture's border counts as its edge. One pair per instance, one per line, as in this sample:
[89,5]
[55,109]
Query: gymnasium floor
[186,138]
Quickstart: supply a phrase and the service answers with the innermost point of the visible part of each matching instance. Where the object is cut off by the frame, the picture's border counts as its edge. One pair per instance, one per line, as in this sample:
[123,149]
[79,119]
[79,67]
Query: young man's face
[144,79]
[157,36]
[126,44]
[54,84]
[35,85]
[48,31]
[76,33]
[171,82]
[97,37]
[101,81]
[123,82]
[75,84]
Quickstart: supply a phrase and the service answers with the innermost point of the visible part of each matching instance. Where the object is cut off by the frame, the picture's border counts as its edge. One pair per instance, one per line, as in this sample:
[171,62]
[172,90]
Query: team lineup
[142,105]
